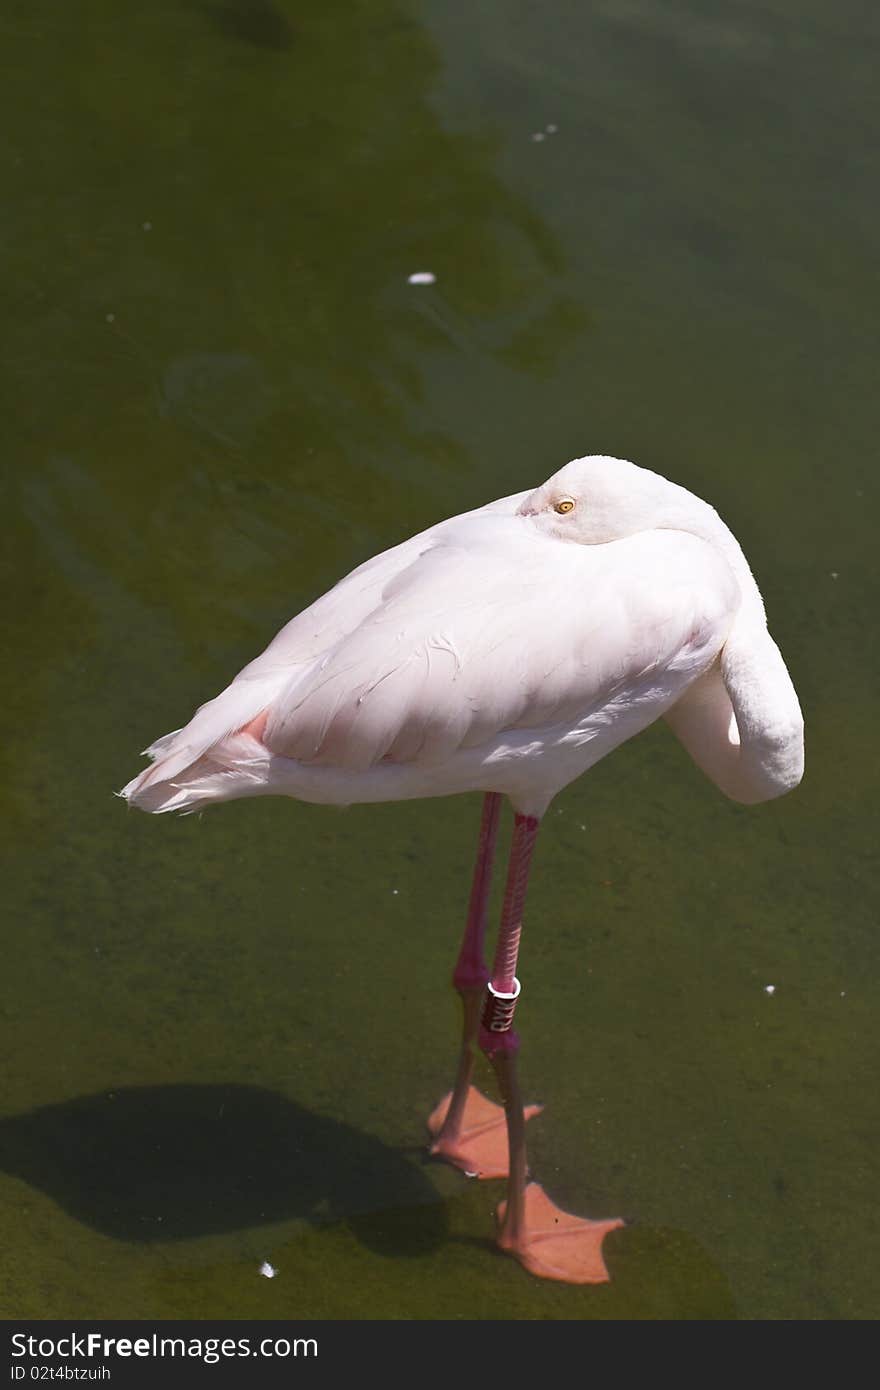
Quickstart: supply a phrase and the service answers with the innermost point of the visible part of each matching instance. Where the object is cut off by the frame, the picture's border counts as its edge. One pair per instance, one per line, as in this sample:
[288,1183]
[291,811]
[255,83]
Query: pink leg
[545,1239]
[465,1125]
[471,973]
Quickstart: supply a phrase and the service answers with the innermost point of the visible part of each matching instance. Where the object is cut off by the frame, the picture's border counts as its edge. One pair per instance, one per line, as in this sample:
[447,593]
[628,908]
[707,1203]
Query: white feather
[507,649]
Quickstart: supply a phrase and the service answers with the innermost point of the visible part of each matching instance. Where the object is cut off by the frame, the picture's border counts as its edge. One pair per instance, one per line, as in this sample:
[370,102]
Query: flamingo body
[506,650]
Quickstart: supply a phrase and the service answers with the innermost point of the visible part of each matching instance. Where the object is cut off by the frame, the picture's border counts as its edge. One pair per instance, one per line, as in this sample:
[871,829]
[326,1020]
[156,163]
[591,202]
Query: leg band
[500,1008]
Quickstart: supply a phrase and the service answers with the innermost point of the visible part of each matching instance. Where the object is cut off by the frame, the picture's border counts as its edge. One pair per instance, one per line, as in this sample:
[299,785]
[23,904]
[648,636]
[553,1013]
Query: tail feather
[161,746]
[238,766]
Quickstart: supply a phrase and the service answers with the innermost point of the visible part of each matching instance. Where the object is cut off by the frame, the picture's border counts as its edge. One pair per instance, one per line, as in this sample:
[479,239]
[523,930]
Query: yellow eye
[566,505]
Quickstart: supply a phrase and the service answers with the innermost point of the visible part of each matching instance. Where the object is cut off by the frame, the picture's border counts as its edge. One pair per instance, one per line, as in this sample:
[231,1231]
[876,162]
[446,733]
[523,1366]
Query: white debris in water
[111,318]
[422,277]
[267,1270]
[769,989]
[538,135]
[147,226]
[551,129]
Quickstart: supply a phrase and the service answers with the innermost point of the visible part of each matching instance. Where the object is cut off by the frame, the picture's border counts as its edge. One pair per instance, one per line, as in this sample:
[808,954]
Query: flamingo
[506,651]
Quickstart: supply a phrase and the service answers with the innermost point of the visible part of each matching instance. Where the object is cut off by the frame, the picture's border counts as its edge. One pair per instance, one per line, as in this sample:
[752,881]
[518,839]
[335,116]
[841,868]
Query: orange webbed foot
[480,1147]
[555,1244]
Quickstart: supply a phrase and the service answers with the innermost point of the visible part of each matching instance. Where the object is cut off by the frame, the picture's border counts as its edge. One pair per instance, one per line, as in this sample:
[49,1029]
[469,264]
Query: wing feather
[294,654]
[493,627]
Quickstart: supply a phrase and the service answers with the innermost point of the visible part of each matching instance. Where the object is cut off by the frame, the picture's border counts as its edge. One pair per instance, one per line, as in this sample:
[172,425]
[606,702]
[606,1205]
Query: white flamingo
[507,650]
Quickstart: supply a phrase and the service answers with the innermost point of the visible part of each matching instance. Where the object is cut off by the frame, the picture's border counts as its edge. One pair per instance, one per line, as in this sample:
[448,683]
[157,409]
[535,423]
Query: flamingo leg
[548,1241]
[467,1128]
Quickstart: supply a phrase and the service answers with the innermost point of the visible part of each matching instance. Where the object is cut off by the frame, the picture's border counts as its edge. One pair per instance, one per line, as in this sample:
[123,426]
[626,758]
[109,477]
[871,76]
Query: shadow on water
[179,1162]
[176,1163]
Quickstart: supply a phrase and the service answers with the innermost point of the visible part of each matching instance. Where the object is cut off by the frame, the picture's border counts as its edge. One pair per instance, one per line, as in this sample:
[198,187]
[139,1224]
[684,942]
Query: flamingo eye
[566,505]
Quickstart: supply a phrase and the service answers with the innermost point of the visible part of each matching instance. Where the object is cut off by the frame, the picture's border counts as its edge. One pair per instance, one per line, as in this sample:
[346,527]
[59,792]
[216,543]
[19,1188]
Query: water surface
[222,1034]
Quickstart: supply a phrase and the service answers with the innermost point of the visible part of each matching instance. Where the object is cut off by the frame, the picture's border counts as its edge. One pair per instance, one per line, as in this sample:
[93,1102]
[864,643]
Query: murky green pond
[652,227]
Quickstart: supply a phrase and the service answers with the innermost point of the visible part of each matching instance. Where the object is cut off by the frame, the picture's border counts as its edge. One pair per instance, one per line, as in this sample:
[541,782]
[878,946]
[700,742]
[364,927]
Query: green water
[221,1035]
